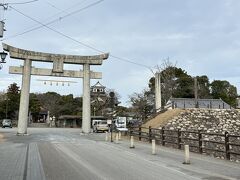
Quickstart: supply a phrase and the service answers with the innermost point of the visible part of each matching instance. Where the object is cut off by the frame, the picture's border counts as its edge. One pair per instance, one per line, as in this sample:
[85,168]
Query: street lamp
[3,57]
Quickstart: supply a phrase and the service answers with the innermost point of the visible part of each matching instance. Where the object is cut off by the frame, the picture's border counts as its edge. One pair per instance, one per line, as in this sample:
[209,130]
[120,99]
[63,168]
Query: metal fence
[226,144]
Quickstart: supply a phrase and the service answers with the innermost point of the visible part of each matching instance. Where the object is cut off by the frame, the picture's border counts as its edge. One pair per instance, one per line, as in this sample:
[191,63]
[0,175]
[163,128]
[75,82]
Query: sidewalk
[200,164]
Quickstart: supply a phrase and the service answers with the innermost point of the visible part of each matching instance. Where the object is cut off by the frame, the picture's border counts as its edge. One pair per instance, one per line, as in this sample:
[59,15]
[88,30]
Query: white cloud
[202,36]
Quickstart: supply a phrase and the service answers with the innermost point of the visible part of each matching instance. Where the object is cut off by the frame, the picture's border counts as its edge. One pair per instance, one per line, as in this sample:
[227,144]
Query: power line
[53,21]
[5,5]
[61,10]
[79,42]
[52,5]
[129,61]
[26,2]
[58,32]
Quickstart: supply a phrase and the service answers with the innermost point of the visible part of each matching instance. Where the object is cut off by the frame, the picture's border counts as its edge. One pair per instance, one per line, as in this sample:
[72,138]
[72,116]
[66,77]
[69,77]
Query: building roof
[201,103]
[98,85]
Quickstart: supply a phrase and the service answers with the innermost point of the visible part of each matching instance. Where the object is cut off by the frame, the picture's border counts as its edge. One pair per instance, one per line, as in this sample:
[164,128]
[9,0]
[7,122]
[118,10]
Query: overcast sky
[202,36]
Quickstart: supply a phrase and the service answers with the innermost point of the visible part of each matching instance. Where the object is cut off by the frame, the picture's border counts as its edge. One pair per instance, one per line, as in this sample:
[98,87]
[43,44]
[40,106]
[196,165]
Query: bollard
[106,137]
[132,142]
[111,136]
[116,138]
[119,136]
[153,147]
[187,156]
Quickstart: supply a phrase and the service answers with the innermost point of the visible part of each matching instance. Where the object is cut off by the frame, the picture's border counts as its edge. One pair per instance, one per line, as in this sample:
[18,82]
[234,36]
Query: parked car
[100,126]
[134,123]
[6,123]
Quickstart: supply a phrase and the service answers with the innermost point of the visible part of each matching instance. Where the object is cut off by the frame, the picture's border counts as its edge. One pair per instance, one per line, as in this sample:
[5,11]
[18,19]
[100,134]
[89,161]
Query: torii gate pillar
[86,121]
[24,99]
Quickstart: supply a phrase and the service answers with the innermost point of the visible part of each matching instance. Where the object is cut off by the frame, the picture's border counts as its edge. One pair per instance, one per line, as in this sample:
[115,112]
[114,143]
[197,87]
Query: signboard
[109,121]
[58,66]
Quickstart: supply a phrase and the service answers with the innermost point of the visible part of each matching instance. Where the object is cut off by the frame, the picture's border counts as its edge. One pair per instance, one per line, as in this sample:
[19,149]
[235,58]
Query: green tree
[34,106]
[183,87]
[70,105]
[12,101]
[225,91]
[2,105]
[175,82]
[59,105]
[50,101]
[203,87]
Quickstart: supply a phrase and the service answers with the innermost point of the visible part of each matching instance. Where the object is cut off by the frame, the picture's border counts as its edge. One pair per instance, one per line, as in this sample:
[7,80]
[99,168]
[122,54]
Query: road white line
[80,161]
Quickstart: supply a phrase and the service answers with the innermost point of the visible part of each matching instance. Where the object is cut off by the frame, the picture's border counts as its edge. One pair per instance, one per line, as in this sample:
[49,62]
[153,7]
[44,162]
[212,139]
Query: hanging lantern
[3,56]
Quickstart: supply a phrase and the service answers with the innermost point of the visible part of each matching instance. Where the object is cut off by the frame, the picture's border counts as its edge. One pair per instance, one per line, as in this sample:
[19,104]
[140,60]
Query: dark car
[6,123]
[134,123]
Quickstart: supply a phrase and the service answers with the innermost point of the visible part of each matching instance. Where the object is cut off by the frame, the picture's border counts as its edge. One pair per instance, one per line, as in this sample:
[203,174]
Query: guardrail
[198,141]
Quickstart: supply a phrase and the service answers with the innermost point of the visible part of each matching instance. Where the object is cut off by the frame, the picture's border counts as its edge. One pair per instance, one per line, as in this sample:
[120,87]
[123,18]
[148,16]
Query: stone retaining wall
[210,121]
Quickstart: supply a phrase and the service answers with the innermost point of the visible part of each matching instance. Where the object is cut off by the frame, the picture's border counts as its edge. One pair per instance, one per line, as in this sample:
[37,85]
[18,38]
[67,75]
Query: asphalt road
[59,154]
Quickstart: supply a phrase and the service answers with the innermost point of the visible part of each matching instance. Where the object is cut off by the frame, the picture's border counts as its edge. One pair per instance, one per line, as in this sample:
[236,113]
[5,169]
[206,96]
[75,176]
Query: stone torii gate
[58,61]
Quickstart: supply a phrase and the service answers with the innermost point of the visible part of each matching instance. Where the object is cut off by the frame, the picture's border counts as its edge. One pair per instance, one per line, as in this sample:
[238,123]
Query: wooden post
[227,145]
[150,134]
[139,133]
[200,142]
[179,138]
[196,91]
[163,138]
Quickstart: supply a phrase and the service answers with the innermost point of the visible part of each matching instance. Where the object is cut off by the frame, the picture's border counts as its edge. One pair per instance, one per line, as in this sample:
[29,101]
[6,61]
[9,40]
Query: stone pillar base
[22,134]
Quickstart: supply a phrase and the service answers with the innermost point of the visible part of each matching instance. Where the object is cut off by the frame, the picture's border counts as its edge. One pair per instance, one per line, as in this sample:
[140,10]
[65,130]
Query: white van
[100,125]
[121,123]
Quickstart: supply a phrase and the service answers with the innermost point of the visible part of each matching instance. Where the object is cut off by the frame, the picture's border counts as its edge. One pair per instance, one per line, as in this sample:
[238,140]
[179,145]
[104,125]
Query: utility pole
[112,99]
[2,29]
[7,107]
[196,92]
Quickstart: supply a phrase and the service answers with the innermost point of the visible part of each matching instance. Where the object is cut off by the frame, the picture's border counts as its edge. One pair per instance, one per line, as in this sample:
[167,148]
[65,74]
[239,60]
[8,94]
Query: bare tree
[141,104]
